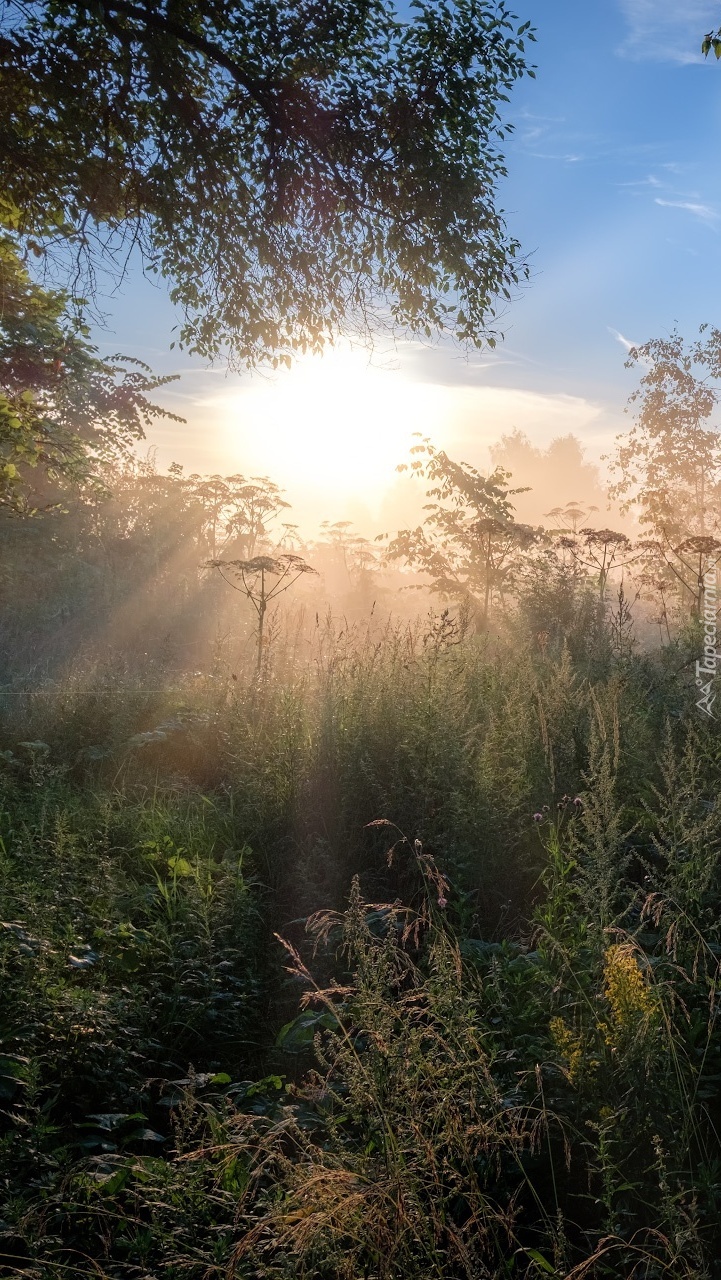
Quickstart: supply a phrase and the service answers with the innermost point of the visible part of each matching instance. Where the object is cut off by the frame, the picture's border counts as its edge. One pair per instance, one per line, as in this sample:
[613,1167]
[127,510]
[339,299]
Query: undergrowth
[399,961]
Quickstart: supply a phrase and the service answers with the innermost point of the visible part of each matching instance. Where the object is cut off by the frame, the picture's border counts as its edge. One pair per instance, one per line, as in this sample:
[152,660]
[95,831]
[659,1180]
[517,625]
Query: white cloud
[525,114]
[625,342]
[667,30]
[570,158]
[702,211]
[269,429]
[650,181]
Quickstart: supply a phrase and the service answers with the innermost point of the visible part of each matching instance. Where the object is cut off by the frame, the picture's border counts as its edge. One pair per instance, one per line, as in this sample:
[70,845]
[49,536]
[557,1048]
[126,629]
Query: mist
[360,542]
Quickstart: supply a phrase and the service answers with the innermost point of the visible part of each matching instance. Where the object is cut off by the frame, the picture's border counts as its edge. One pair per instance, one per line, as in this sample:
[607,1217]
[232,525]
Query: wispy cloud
[650,181]
[666,30]
[625,342]
[525,114]
[702,211]
[566,159]
[629,346]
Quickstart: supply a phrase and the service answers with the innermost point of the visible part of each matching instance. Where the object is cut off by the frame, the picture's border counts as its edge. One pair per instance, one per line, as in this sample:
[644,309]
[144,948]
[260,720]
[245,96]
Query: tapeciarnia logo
[707,668]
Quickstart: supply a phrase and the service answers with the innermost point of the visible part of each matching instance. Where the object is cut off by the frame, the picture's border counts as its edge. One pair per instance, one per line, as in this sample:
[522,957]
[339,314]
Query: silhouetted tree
[63,409]
[669,463]
[469,543]
[688,562]
[554,475]
[598,551]
[571,515]
[357,554]
[295,168]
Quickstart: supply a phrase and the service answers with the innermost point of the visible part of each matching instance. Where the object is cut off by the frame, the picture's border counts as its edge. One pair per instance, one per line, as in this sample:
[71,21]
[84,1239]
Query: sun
[335,426]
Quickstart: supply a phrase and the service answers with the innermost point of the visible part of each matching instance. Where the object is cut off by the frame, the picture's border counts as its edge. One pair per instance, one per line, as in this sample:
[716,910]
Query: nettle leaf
[114,1182]
[299,1033]
[180,866]
[111,1120]
[266,1085]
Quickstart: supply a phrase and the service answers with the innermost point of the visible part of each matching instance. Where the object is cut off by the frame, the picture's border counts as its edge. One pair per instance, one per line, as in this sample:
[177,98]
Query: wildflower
[628,993]
[442,902]
[577,803]
[538,817]
[569,1047]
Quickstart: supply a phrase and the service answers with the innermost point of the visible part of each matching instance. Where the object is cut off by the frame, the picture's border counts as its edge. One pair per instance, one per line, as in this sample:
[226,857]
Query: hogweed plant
[261,580]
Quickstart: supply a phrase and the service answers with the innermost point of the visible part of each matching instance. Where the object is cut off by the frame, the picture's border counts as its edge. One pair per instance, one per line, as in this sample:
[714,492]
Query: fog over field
[360,544]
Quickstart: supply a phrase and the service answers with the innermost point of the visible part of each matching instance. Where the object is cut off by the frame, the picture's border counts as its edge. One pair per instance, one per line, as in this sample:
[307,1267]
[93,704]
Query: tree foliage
[295,169]
[668,466]
[669,463]
[63,409]
[712,40]
[469,542]
[236,511]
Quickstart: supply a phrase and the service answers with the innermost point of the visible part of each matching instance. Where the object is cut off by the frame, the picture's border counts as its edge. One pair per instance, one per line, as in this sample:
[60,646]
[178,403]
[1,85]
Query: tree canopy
[296,169]
[469,541]
[669,463]
[63,409]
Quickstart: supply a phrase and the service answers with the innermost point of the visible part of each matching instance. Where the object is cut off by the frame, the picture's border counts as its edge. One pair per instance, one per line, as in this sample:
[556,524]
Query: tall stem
[261,620]
[487,598]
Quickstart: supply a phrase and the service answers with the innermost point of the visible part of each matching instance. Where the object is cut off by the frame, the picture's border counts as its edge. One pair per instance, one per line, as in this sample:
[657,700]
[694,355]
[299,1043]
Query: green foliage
[63,410]
[712,41]
[294,170]
[513,1074]
[668,463]
[469,542]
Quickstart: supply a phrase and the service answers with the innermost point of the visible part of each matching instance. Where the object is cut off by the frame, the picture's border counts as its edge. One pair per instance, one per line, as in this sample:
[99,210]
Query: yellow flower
[569,1047]
[628,993]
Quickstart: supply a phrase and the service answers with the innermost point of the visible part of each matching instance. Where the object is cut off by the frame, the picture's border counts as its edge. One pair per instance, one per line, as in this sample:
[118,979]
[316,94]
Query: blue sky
[615,193]
[614,186]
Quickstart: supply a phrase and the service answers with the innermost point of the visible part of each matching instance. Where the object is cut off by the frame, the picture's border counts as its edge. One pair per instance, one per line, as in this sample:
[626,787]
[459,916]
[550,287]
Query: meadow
[360,889]
[399,959]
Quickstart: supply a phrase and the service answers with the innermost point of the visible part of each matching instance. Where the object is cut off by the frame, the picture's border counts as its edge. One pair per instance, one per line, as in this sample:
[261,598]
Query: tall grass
[493,1053]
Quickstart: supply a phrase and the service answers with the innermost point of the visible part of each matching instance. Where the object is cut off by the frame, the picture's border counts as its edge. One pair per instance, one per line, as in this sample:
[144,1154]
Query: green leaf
[116,1181]
[540,1261]
[180,866]
[301,1031]
[265,1085]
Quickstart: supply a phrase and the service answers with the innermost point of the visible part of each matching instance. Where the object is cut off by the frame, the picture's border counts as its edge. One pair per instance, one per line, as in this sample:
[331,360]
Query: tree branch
[258,90]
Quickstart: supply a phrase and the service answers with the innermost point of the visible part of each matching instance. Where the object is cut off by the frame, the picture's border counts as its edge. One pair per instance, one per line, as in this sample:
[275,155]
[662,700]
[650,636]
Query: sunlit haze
[360,808]
[612,194]
[331,429]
